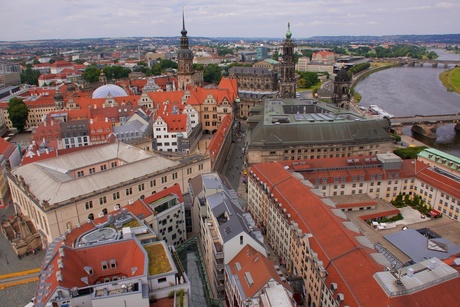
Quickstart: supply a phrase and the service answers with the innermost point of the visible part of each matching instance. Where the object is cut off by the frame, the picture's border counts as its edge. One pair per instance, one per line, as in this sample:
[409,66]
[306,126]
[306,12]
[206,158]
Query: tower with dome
[287,82]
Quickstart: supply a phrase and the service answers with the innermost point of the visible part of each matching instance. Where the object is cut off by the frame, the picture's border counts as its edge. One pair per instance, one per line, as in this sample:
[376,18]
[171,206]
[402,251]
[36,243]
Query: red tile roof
[259,266]
[335,245]
[219,137]
[6,148]
[175,189]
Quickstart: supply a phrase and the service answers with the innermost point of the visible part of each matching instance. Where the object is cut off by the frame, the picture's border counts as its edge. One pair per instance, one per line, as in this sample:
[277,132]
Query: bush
[171,294]
[409,153]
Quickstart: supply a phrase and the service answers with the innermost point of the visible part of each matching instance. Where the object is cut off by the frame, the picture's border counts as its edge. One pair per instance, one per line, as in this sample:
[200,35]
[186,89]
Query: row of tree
[358,67]
[394,51]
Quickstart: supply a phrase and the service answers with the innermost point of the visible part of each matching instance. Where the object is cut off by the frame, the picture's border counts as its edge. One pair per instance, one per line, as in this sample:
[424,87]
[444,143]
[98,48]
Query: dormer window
[104,265]
[113,264]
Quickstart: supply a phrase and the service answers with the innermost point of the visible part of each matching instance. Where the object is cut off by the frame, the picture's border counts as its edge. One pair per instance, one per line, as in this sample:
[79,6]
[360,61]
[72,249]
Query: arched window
[91,216]
[104,211]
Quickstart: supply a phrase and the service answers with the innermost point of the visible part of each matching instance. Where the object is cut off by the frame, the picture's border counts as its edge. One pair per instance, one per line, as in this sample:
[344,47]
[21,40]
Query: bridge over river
[425,125]
[421,62]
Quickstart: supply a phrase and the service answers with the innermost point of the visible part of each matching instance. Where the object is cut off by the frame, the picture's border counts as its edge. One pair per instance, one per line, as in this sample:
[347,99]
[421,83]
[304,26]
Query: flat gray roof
[419,248]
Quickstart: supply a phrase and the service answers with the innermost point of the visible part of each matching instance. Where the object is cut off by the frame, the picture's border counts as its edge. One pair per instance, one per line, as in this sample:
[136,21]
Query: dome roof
[104,90]
[184,53]
[58,96]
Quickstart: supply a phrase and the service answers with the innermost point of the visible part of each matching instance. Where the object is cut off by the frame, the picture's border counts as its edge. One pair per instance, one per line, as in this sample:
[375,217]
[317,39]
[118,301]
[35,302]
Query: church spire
[184,38]
[183,32]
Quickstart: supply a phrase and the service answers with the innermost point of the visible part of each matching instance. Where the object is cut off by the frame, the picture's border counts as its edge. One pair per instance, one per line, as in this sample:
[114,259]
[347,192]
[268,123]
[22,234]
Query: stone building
[290,129]
[59,193]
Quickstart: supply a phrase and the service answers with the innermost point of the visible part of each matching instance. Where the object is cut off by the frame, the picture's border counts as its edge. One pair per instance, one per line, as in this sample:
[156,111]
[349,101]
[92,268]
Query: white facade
[193,115]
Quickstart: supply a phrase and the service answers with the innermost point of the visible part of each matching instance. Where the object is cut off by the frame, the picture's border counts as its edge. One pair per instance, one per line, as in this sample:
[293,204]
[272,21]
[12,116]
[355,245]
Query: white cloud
[103,18]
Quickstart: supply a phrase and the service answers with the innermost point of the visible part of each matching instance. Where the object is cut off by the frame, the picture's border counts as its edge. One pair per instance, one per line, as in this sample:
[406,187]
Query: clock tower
[185,73]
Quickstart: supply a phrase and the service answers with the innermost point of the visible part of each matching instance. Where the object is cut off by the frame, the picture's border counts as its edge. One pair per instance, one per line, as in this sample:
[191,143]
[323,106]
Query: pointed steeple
[183,32]
[184,38]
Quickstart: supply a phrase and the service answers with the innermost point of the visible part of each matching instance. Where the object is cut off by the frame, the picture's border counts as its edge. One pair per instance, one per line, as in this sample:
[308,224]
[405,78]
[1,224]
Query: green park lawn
[451,79]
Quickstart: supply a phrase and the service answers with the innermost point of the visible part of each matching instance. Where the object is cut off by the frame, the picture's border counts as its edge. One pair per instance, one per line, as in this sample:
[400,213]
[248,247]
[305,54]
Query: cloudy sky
[45,19]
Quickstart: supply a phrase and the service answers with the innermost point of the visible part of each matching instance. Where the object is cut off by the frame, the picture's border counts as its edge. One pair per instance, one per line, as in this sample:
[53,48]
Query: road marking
[23,273]
[19,282]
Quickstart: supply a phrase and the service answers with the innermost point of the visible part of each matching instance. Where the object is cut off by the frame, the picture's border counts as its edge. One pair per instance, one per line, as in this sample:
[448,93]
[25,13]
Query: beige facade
[302,63]
[37,110]
[103,185]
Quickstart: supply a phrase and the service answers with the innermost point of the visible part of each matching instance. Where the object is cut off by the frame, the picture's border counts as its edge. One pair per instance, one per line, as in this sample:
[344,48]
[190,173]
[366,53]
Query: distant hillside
[428,38]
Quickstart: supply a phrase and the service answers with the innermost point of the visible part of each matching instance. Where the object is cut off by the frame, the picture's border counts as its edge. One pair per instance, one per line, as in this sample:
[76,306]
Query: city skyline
[91,19]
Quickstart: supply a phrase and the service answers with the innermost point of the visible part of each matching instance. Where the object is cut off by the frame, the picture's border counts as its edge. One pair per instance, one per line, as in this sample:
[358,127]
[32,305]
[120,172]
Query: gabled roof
[259,267]
[217,140]
[6,148]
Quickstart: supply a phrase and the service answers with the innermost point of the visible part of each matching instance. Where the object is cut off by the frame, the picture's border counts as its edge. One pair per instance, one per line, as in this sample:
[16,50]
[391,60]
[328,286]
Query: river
[405,91]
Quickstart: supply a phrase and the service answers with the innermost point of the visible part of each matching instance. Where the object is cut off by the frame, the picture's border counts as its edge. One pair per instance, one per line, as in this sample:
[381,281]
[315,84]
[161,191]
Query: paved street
[234,167]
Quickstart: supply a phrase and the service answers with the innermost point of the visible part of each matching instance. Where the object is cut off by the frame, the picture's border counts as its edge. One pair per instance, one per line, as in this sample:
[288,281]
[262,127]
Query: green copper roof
[431,153]
[288,33]
[271,61]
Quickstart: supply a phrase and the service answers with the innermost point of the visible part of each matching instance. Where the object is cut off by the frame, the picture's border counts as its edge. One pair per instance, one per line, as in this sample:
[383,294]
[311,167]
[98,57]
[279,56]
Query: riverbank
[451,79]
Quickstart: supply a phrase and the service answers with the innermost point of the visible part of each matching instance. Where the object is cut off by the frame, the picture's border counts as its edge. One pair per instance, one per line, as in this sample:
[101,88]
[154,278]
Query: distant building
[269,64]
[325,57]
[261,53]
[10,74]
[302,63]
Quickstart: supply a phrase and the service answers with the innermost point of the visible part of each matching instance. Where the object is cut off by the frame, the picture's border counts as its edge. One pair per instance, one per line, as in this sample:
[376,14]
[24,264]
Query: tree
[91,74]
[18,113]
[51,61]
[79,61]
[212,73]
[30,76]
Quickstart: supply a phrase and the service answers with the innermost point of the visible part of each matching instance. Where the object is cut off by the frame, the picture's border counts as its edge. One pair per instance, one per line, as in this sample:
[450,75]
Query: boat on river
[375,110]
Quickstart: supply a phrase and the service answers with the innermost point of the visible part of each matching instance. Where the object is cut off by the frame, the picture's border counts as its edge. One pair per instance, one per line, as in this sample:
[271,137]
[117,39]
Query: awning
[434,213]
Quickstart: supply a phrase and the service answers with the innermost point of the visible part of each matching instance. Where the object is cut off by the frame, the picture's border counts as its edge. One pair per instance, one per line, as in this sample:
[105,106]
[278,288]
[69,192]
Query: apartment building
[384,176]
[70,189]
[338,264]
[224,228]
[168,215]
[90,264]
